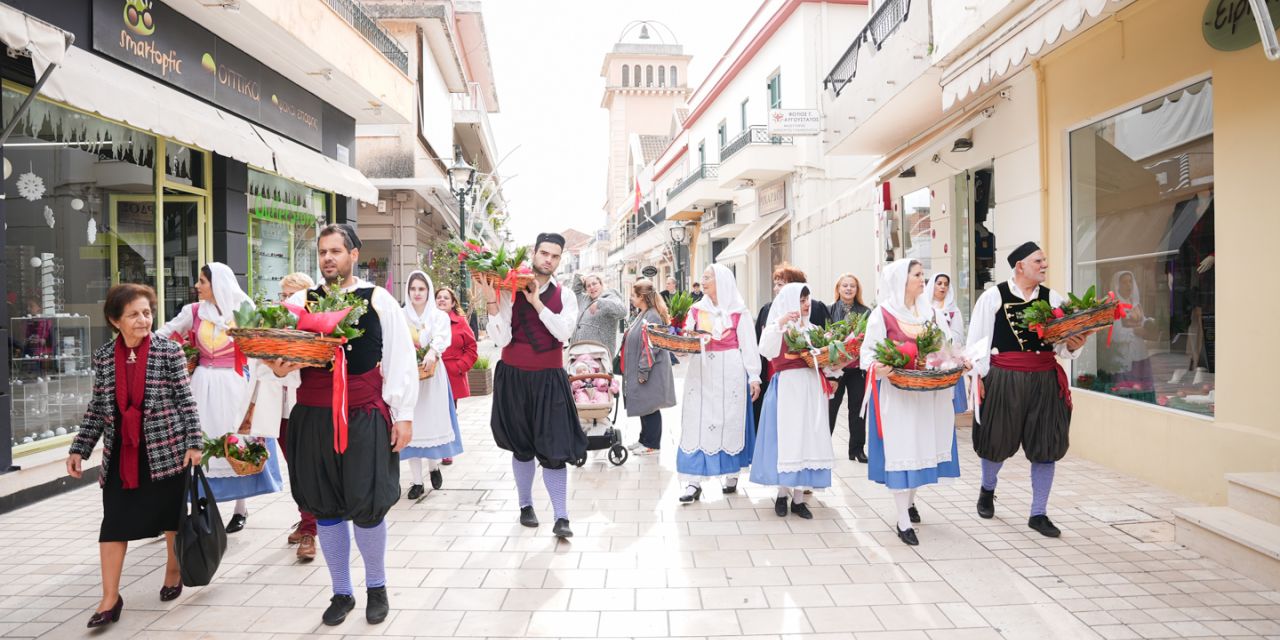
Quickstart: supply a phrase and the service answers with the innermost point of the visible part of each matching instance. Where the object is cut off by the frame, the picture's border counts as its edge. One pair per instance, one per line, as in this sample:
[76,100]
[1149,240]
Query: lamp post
[679,236]
[462,183]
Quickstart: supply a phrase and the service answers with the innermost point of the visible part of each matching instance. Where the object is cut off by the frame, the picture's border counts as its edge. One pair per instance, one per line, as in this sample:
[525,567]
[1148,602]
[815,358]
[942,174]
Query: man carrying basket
[1024,395]
[349,470]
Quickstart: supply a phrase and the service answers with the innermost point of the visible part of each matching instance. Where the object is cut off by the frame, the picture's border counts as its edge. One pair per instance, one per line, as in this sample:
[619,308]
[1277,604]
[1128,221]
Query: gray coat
[659,388]
[602,326]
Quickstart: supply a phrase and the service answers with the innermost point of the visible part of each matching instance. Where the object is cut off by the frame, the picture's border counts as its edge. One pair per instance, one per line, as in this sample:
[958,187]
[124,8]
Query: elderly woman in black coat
[143,410]
[648,385]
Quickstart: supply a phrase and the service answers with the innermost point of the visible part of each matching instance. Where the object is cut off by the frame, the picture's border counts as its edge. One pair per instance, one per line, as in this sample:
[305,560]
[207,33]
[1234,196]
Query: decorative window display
[284,218]
[1142,228]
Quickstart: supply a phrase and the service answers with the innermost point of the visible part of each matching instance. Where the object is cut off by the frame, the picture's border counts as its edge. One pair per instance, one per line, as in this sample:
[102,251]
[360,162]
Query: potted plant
[480,377]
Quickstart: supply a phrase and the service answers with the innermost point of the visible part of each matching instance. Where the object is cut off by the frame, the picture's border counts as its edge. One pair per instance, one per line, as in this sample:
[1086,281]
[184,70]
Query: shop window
[184,165]
[375,264]
[917,227]
[80,213]
[284,220]
[1142,226]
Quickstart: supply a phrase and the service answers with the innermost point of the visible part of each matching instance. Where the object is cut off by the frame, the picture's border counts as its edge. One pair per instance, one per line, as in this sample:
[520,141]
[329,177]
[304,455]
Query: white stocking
[783,492]
[797,495]
[242,507]
[415,465]
[903,500]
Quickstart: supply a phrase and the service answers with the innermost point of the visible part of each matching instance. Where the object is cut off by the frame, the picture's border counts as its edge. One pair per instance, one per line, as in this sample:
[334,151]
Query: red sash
[1034,362]
[362,392]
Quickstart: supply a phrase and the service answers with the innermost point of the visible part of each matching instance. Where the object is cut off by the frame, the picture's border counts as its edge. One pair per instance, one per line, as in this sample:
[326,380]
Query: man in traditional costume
[345,465]
[533,412]
[1023,393]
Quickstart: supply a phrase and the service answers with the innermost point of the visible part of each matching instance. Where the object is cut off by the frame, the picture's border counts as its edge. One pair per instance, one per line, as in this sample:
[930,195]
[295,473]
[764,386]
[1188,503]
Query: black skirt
[142,513]
[534,417]
[359,485]
[1022,410]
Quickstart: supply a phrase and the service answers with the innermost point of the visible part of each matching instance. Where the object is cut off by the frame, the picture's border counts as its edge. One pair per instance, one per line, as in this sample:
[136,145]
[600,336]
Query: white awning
[46,43]
[318,170]
[752,235]
[1027,33]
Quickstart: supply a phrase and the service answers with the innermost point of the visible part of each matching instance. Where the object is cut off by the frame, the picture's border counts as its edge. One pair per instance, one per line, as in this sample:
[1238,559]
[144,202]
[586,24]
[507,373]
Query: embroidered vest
[532,346]
[1007,335]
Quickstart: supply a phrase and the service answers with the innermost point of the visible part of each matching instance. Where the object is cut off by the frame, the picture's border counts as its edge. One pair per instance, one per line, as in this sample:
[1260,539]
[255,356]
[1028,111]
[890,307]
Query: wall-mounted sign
[795,122]
[1229,25]
[152,37]
[771,198]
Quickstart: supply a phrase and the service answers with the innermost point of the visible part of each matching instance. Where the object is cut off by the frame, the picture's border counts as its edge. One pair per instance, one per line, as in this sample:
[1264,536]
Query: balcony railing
[883,23]
[758,134]
[650,222]
[362,22]
[704,171]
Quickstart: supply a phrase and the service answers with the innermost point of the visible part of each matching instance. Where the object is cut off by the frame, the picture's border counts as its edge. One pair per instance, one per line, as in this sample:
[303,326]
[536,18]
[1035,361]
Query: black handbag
[201,538]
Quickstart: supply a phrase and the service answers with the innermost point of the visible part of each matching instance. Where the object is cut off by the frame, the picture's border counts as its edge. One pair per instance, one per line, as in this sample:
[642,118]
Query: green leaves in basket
[242,448]
[266,315]
[478,258]
[930,340]
[335,299]
[678,307]
[887,352]
[1041,313]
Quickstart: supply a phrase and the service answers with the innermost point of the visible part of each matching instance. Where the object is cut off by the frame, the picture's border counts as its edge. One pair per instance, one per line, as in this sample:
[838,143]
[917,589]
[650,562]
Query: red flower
[474,247]
[232,439]
[1058,312]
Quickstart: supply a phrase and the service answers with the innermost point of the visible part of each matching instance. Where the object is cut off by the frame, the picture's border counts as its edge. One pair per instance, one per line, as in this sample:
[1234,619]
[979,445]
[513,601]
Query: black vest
[1008,337]
[363,353]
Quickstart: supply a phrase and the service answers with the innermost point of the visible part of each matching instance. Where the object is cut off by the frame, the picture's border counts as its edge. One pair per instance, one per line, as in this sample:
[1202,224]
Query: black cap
[351,234]
[1023,250]
[553,238]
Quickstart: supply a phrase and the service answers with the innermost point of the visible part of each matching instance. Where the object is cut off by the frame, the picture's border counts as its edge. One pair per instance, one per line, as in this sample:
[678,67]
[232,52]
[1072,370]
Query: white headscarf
[891,293]
[788,301]
[425,319]
[728,302]
[227,297]
[1135,296]
[948,305]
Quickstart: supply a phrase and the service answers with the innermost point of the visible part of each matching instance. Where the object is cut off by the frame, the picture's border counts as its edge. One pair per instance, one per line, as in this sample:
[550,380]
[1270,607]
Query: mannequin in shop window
[1191,284]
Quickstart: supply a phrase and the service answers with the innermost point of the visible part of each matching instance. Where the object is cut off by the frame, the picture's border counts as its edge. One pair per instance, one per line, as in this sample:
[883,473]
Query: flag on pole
[635,208]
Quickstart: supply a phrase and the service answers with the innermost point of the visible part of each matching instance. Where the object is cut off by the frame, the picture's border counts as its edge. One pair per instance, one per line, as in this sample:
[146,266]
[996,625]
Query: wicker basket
[499,282]
[241,467]
[290,345]
[425,372]
[1079,322]
[193,361]
[824,359]
[927,380]
[660,337]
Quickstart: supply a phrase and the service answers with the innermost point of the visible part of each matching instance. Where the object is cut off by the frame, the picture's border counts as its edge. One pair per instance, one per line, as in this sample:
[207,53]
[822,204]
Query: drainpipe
[1042,127]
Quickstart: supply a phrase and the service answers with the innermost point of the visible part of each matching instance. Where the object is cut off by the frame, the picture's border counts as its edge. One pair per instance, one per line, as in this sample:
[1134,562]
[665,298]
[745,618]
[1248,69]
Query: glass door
[182,260]
[133,246]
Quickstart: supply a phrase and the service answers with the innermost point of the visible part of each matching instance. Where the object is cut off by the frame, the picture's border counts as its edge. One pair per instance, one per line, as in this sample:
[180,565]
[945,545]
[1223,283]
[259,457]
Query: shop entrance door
[975,239]
[135,252]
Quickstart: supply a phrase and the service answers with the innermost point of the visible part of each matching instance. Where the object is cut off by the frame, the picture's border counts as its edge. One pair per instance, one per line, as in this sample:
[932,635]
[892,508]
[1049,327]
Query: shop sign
[795,122]
[771,198]
[1229,25]
[152,37]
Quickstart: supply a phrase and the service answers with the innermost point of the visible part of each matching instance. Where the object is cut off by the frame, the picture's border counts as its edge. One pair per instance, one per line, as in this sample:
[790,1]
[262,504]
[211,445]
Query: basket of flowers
[425,371]
[924,364]
[829,347]
[193,357]
[247,456]
[674,337]
[305,335]
[1076,315]
[499,269]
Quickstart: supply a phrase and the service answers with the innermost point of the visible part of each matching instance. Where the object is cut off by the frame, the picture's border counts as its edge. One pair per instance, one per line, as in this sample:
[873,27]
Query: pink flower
[1058,312]
[232,439]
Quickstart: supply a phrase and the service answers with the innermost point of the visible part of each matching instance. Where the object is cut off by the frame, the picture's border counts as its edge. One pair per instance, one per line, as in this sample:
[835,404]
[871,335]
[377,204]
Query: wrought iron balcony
[704,171]
[366,26]
[757,134]
[883,23]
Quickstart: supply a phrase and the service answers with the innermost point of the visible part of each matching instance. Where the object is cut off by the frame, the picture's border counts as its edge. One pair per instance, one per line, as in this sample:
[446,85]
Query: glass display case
[271,250]
[50,375]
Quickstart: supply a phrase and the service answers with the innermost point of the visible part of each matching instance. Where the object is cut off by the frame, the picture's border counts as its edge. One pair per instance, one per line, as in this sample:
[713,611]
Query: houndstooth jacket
[170,423]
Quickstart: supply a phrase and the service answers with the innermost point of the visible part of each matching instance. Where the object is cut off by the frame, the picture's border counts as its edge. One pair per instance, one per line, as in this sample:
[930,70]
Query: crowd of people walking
[748,405]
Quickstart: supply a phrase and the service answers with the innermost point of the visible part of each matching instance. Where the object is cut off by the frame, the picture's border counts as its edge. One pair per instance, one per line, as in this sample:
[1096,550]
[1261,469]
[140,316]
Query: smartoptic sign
[152,37]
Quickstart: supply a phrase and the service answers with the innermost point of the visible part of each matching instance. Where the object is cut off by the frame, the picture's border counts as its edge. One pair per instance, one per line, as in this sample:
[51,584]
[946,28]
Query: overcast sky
[547,57]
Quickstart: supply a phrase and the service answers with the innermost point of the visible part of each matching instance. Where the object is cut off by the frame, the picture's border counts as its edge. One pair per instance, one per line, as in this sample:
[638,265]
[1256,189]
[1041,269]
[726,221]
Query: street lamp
[679,236]
[462,183]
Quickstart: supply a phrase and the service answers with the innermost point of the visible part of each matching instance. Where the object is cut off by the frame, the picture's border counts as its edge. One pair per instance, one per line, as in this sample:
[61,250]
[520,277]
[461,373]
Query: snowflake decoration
[93,230]
[48,216]
[30,186]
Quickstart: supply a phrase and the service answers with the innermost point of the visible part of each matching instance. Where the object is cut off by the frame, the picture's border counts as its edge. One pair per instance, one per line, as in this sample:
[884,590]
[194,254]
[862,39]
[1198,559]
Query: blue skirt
[904,479]
[268,481]
[960,401]
[441,451]
[721,463]
[765,469]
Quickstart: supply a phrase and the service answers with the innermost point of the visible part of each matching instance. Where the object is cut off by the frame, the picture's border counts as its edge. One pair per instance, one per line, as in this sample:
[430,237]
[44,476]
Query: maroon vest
[532,346]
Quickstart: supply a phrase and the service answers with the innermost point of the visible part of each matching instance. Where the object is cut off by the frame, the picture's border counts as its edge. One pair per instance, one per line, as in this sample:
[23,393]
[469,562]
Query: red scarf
[131,386]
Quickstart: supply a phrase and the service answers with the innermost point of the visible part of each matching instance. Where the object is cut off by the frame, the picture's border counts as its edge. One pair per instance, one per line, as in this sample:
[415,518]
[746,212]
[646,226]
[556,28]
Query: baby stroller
[595,396]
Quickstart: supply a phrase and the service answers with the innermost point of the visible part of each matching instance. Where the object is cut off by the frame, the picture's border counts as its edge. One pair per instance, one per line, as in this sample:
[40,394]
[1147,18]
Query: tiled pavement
[643,566]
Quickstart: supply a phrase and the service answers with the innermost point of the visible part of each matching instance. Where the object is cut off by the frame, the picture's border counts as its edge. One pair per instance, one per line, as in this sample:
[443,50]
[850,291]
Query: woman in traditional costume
[220,386]
[942,295]
[435,435]
[717,435]
[792,452]
[911,434]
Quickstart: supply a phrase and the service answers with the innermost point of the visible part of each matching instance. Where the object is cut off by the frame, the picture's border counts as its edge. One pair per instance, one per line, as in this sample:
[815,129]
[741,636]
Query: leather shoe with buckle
[339,607]
[1044,526]
[109,616]
[377,607]
[691,496]
[527,517]
[307,548]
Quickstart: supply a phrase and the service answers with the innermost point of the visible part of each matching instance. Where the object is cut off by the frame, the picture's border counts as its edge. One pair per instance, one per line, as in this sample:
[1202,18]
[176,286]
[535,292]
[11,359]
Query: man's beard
[540,271]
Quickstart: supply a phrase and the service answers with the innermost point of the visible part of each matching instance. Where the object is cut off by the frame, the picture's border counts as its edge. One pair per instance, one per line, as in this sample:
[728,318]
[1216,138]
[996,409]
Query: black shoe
[561,528]
[692,497]
[908,536]
[780,507]
[527,517]
[1042,524]
[913,514]
[377,607]
[801,509]
[729,488]
[986,503]
[237,523]
[170,593]
[859,455]
[109,616]
[339,607]
[437,480]
[416,491]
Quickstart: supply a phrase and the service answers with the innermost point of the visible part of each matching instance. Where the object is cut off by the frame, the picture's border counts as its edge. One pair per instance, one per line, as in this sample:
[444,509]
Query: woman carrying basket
[717,435]
[219,384]
[942,296]
[911,435]
[436,436]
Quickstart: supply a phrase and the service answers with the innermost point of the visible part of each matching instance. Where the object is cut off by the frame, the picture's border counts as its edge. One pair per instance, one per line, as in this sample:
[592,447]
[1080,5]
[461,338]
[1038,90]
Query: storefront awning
[304,165]
[752,235]
[46,43]
[1029,32]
